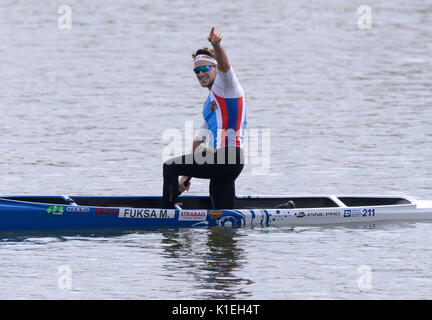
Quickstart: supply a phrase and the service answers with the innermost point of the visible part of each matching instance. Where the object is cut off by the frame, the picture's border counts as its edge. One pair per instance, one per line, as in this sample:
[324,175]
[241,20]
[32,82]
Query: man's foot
[288,205]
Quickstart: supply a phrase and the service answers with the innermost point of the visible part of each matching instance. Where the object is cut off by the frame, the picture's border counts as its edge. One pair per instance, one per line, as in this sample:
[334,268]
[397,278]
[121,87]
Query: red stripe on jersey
[224,113]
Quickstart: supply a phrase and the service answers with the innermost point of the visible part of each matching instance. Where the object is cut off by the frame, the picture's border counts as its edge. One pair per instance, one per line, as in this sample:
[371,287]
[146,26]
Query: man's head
[205,67]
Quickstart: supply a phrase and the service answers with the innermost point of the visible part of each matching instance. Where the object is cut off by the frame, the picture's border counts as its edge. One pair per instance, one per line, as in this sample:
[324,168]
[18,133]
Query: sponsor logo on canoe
[146,213]
[332,213]
[318,214]
[77,209]
[215,214]
[107,211]
[192,215]
[352,213]
[55,210]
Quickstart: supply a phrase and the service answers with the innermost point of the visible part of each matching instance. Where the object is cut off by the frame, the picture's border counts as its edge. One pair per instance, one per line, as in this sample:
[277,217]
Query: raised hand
[214,37]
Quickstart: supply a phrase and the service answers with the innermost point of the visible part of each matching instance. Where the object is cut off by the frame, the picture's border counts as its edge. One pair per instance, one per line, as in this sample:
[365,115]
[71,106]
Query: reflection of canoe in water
[87,212]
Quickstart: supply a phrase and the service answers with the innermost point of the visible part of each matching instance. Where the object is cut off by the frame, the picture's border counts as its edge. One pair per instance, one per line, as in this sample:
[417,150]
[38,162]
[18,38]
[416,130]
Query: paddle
[186,182]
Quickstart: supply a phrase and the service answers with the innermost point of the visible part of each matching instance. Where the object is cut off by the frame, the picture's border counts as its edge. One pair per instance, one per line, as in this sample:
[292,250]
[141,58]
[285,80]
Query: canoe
[19,213]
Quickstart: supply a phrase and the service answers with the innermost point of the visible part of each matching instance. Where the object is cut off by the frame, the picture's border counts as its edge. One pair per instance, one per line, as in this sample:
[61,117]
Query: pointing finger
[211,33]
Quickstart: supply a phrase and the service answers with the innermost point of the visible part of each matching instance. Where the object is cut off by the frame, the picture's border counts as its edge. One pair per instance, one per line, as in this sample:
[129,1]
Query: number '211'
[368,212]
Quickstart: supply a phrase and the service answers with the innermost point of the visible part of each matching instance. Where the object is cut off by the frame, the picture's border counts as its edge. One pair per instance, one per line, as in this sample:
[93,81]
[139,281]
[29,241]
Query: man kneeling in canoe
[223,127]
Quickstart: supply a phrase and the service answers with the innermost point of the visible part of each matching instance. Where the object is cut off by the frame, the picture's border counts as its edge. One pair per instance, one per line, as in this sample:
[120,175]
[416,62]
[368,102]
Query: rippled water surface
[84,110]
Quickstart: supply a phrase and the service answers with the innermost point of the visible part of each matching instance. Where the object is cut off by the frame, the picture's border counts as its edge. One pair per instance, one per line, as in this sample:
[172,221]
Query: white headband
[204,57]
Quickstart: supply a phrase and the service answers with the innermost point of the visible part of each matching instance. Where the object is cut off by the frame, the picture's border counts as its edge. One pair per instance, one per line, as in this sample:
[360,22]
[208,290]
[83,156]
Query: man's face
[206,79]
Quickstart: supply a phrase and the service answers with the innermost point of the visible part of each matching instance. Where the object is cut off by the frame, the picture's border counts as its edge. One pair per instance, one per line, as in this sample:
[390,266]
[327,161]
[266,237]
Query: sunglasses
[197,70]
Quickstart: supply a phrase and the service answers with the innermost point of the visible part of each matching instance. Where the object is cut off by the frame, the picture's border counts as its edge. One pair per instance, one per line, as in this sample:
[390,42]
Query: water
[83,111]
[385,262]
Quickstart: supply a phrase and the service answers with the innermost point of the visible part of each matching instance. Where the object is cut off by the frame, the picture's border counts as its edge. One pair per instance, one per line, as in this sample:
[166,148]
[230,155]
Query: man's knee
[168,167]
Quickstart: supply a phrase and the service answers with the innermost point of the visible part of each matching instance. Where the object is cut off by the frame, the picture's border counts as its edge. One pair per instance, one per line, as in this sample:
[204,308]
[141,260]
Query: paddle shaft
[187,181]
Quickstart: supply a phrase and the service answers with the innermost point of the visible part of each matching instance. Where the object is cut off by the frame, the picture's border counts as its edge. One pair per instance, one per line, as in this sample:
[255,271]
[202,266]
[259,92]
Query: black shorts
[222,168]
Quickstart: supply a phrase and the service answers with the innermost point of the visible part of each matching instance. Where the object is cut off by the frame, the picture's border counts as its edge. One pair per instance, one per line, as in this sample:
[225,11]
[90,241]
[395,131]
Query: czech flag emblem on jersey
[213,105]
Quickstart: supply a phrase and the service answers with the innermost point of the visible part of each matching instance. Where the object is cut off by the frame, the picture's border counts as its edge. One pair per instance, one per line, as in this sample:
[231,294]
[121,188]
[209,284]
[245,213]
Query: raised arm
[219,51]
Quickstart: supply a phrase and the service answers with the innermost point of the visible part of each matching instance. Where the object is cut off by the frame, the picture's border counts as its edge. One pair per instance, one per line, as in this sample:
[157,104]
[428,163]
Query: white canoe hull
[337,215]
[415,210]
